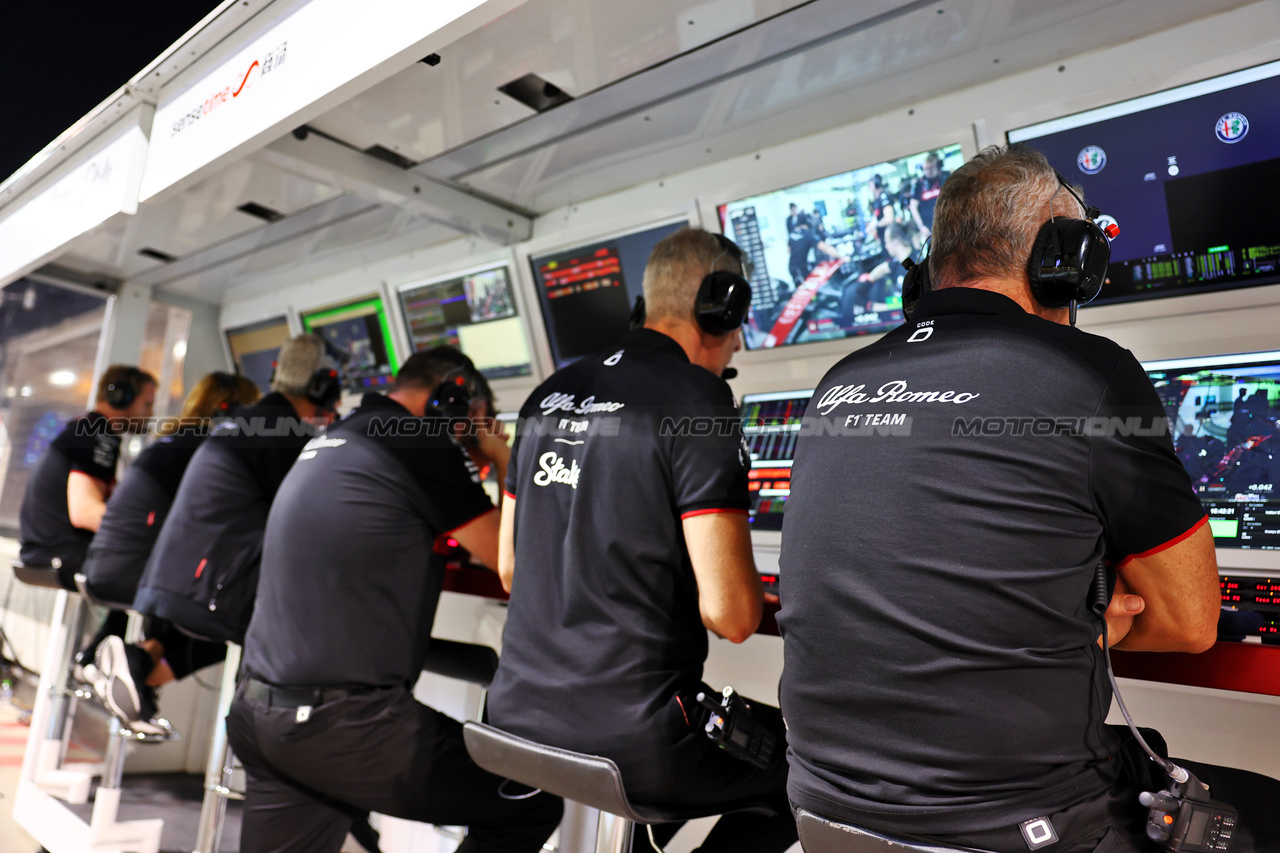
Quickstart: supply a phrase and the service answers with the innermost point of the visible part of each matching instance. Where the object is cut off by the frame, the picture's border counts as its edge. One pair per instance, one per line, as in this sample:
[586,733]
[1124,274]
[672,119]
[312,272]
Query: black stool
[587,779]
[819,835]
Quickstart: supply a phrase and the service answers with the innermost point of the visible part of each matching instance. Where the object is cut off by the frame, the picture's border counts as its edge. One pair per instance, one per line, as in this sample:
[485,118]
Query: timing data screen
[587,293]
[828,254]
[475,313]
[771,425]
[1189,175]
[1223,417]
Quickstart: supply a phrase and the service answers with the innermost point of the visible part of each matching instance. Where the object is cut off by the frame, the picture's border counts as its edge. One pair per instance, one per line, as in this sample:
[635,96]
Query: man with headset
[325,720]
[624,539]
[964,477]
[203,571]
[67,493]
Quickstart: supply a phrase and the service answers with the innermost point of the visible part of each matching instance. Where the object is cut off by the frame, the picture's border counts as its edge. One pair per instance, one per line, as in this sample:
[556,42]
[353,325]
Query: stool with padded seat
[591,780]
[52,715]
[820,835]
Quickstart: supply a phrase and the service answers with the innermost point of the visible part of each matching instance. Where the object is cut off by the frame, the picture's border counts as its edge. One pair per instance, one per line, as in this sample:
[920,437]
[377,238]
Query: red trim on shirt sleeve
[1166,545]
[468,521]
[691,513]
[508,495]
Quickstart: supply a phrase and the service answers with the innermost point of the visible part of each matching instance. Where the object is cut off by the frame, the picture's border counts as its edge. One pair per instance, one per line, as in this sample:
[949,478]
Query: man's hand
[491,442]
[1120,613]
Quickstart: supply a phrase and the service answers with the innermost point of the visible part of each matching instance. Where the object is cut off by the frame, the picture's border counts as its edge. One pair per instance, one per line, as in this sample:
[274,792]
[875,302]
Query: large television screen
[359,330]
[1190,176]
[771,426]
[828,253]
[476,313]
[255,348]
[587,292]
[1224,413]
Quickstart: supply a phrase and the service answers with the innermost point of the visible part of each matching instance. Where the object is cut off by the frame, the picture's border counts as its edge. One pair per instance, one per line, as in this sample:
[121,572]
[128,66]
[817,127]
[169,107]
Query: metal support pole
[217,777]
[613,834]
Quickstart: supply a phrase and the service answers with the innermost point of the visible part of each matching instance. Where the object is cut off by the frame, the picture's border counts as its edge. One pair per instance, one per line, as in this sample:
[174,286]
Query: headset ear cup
[724,297]
[915,284]
[1049,293]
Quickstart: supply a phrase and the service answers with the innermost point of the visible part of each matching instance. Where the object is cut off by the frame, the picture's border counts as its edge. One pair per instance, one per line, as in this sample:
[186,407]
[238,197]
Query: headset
[723,299]
[122,393]
[724,296]
[1067,265]
[453,395]
[324,388]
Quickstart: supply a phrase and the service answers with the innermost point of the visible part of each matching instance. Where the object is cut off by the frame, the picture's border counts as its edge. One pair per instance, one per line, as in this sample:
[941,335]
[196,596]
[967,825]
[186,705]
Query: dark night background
[59,60]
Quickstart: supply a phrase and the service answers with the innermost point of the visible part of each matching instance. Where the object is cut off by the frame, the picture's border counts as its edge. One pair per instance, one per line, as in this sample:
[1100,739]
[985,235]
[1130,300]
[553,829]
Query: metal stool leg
[217,777]
[613,834]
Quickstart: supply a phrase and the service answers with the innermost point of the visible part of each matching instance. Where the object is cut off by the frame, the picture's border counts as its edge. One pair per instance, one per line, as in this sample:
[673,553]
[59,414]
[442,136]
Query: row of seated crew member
[324,719]
[186,536]
[118,553]
[943,676]
[67,493]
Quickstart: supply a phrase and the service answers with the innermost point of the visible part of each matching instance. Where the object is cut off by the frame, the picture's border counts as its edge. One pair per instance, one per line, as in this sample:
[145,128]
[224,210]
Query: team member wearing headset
[628,541]
[67,493]
[325,720]
[203,572]
[944,678]
[119,551]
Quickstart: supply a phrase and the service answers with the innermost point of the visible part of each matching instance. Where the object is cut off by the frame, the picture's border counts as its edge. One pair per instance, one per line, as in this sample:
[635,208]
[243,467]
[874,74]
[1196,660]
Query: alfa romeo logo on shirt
[1091,159]
[1231,128]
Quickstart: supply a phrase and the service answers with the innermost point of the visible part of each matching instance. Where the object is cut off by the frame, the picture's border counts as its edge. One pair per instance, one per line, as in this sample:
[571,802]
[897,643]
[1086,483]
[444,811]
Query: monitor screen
[587,293]
[476,313]
[360,330]
[828,254]
[1223,414]
[1188,174]
[771,425]
[255,347]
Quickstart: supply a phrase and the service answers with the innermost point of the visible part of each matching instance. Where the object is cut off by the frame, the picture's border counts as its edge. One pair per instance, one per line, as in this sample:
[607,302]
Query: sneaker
[125,669]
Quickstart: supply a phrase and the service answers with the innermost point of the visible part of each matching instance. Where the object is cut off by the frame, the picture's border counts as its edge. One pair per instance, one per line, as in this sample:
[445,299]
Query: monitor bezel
[307,317]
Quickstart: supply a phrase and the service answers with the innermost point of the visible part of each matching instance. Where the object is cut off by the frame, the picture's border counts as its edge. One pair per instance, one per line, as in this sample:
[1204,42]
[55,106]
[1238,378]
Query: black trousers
[184,653]
[1116,823]
[379,751]
[696,772]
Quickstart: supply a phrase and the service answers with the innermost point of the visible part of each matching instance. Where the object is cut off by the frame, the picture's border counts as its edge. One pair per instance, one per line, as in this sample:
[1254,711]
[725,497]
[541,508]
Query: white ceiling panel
[579,45]
[916,52]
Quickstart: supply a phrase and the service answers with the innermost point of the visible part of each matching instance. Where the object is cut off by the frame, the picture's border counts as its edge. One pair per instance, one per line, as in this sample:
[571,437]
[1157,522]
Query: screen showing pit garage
[1190,175]
[828,253]
[476,313]
[1224,414]
[771,426]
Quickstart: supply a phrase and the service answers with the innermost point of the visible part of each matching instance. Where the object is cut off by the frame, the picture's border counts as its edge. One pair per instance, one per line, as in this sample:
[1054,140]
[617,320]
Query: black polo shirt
[941,673]
[135,514]
[203,572]
[603,628]
[85,445]
[350,578]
